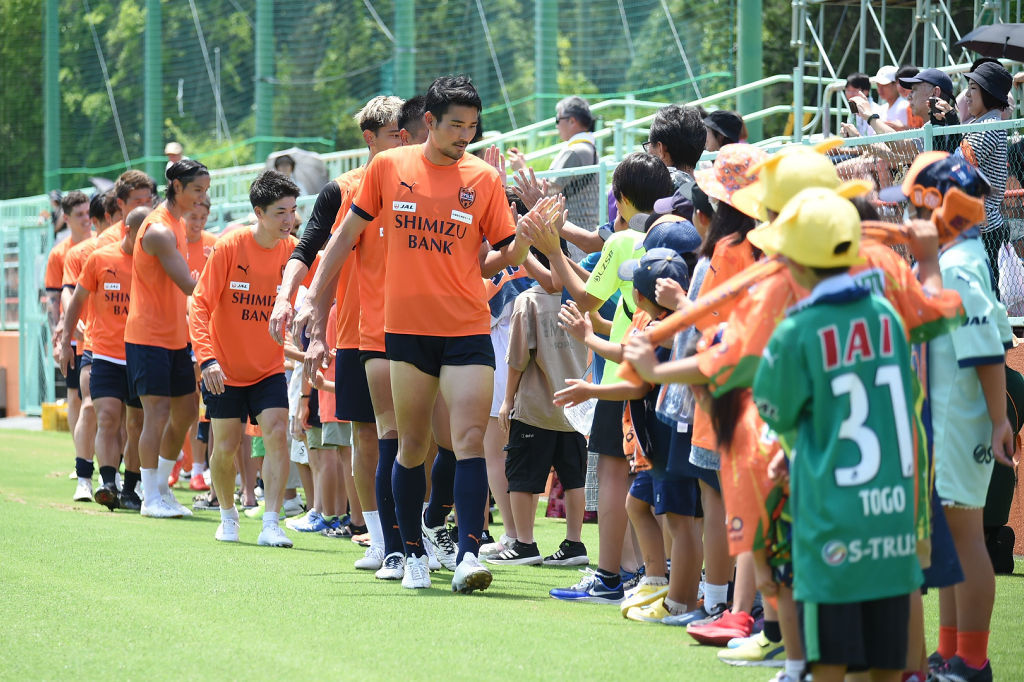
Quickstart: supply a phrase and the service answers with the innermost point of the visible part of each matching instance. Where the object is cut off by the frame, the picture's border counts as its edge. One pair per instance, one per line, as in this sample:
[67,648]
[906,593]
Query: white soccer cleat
[393,567]
[227,531]
[158,509]
[470,575]
[441,539]
[372,559]
[432,563]
[417,575]
[495,548]
[83,491]
[171,501]
[273,536]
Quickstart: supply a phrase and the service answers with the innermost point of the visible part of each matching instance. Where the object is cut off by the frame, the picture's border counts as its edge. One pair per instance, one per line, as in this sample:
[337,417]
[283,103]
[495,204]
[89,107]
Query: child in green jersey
[835,381]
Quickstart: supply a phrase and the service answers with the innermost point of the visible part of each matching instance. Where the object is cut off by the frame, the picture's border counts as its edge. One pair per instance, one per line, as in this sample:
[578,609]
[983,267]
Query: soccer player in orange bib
[435,204]
[243,369]
[106,282]
[156,336]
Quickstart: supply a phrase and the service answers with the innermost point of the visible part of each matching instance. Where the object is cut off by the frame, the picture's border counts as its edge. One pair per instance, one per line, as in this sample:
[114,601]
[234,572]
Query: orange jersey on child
[198,252]
[434,219]
[107,275]
[156,315]
[231,307]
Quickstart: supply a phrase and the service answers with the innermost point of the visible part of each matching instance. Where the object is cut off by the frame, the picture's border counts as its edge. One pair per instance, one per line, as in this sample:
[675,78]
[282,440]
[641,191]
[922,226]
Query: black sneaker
[106,495]
[569,553]
[206,502]
[518,554]
[957,670]
[130,501]
[485,538]
[935,664]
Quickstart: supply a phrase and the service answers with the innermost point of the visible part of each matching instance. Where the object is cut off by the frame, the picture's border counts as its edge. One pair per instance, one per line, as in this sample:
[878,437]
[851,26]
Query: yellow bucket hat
[787,172]
[817,228]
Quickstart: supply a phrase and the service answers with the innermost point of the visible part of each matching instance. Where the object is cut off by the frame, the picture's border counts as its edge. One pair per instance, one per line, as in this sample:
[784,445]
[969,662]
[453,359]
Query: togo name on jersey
[445,230]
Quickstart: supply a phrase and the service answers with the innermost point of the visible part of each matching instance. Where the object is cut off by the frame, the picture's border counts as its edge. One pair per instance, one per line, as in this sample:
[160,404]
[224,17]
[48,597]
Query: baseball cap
[886,75]
[679,203]
[691,196]
[669,232]
[725,123]
[173,148]
[731,171]
[932,77]
[781,176]
[817,228]
[993,79]
[655,264]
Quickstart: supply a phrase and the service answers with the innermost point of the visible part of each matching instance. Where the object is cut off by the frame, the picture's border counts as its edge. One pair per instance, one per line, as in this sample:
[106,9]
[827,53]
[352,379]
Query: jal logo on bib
[239,286]
[404,206]
[467,195]
[111,286]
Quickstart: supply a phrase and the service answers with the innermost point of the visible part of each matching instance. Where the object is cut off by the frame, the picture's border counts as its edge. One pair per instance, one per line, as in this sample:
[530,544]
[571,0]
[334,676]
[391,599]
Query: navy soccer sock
[410,485]
[83,467]
[442,488]
[387,450]
[470,501]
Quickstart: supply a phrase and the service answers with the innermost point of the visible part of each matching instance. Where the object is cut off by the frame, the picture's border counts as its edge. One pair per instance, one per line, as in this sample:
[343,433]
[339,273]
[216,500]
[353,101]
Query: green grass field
[88,594]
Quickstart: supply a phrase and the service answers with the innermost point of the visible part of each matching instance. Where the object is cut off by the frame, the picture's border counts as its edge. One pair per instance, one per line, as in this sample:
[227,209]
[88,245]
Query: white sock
[181,456]
[795,668]
[270,518]
[715,595]
[197,469]
[149,488]
[84,480]
[372,520]
[660,581]
[229,514]
[163,470]
[674,607]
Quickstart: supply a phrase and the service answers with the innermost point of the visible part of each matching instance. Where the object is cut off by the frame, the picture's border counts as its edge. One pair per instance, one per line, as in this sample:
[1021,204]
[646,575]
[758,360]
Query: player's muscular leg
[442,423]
[274,424]
[413,393]
[133,429]
[364,463]
[182,413]
[108,430]
[227,439]
[467,392]
[84,433]
[378,377]
[157,411]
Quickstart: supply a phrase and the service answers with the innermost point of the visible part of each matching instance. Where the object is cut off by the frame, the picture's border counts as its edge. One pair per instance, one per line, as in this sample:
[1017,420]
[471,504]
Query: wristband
[207,363]
[305,396]
[872,117]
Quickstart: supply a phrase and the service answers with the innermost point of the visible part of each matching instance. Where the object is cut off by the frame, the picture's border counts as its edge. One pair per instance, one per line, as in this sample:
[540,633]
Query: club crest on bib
[467,195]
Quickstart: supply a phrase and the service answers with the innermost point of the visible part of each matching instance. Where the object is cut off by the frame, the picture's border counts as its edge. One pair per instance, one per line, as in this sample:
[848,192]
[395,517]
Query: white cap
[173,148]
[886,75]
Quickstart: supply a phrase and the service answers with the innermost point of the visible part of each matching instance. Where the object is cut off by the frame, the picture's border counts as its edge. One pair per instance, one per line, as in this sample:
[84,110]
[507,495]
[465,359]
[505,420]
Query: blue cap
[932,77]
[655,264]
[679,235]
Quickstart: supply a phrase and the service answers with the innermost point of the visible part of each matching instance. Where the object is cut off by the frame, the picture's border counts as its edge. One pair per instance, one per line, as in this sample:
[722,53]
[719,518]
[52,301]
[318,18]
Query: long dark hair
[726,221]
[184,171]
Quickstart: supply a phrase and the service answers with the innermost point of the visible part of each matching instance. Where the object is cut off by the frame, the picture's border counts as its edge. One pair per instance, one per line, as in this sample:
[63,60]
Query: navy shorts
[945,570]
[203,432]
[352,393]
[86,360]
[606,432]
[245,402]
[679,464]
[110,380]
[71,380]
[429,354]
[532,451]
[365,355]
[668,495]
[642,487]
[153,370]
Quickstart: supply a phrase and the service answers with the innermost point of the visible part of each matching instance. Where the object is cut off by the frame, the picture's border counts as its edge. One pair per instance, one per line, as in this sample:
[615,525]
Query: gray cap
[576,107]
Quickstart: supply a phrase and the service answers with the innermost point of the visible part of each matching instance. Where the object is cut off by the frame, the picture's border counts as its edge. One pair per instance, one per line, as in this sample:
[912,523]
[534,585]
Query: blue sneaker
[697,615]
[313,523]
[590,588]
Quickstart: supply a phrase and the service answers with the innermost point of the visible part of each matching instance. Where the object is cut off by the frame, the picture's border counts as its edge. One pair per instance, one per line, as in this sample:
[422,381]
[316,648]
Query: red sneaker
[172,480]
[720,631]
[198,483]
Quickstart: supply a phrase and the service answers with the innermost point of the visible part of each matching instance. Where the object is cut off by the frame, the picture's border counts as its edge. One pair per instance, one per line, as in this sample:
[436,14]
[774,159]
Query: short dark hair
[411,115]
[283,159]
[72,199]
[859,80]
[110,201]
[131,180]
[270,186]
[991,102]
[185,172]
[906,71]
[96,210]
[643,179]
[681,131]
[451,90]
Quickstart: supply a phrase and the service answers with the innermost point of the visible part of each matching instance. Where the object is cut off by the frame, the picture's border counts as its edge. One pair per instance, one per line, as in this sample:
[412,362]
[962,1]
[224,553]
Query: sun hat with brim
[816,228]
[993,79]
[730,171]
[791,169]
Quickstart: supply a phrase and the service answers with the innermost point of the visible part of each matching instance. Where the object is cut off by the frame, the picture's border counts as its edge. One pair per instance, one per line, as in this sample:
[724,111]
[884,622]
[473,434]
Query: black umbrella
[998,41]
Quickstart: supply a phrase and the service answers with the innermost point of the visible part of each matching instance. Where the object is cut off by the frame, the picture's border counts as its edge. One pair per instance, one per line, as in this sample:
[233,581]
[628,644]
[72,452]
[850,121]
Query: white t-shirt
[897,111]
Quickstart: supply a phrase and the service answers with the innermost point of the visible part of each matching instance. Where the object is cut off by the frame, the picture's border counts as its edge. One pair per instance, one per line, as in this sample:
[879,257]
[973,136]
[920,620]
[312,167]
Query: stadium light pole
[51,98]
[749,18]
[545,55]
[264,67]
[405,48]
[153,115]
